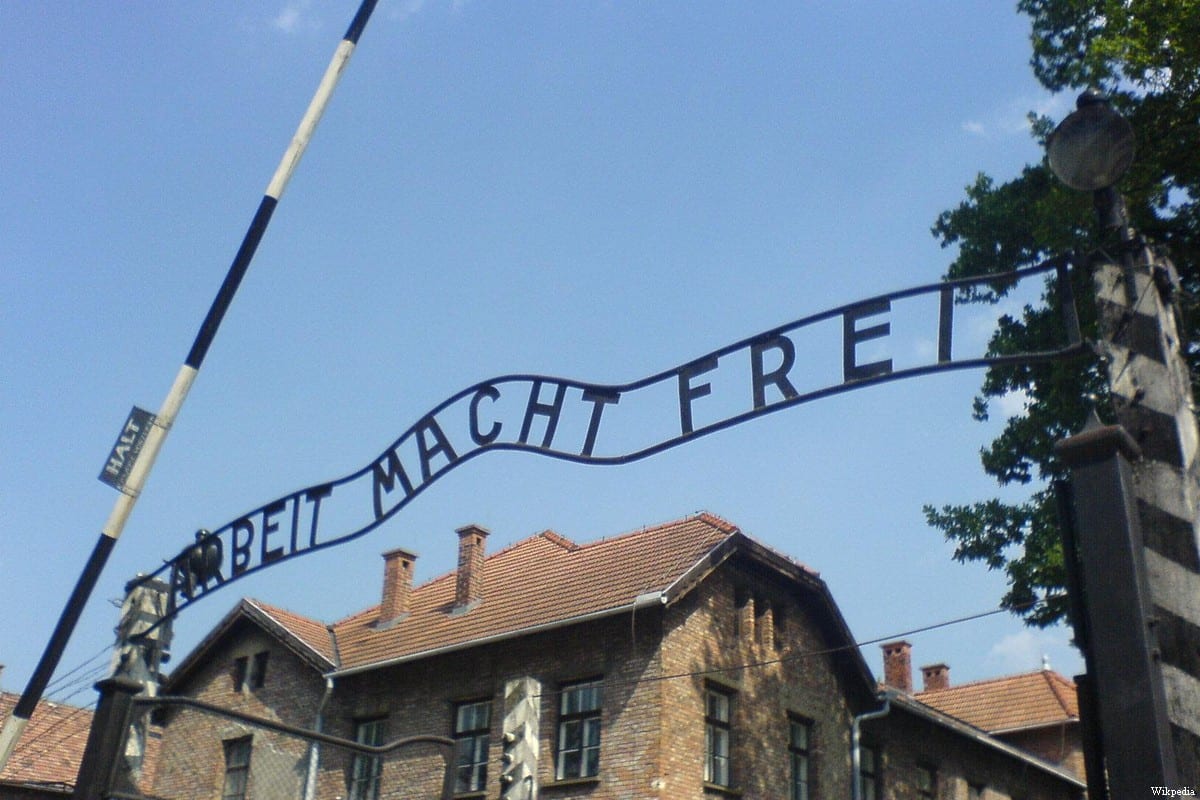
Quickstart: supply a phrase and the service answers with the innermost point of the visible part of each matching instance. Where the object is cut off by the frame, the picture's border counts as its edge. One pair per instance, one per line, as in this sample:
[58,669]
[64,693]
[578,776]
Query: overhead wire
[803,654]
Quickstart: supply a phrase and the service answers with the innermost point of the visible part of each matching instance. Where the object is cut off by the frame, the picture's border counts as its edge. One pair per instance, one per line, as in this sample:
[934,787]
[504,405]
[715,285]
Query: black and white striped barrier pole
[138,444]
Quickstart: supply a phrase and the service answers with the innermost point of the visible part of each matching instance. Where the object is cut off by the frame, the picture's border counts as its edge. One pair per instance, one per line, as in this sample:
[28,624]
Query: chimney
[897,665]
[468,588]
[935,676]
[397,585]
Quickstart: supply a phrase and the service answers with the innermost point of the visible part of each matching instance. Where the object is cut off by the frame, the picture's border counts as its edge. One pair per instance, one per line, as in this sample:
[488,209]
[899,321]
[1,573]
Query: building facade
[685,660]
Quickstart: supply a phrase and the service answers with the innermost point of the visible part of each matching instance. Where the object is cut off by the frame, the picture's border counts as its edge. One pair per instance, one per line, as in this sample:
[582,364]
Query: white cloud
[405,9]
[295,17]
[1012,118]
[1023,651]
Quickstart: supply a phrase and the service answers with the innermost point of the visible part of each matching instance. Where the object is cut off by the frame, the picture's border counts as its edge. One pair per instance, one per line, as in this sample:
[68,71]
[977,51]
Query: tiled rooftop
[1027,700]
[51,747]
[541,580]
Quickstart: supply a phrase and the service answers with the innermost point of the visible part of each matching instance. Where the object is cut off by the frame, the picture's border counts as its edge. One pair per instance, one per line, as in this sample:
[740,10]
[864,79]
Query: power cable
[806,653]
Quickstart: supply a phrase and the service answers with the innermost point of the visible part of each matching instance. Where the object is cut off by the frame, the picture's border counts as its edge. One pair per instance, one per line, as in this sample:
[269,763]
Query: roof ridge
[1055,681]
[699,516]
[982,681]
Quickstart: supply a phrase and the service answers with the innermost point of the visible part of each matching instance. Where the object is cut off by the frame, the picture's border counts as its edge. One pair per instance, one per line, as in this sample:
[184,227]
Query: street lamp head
[1093,147]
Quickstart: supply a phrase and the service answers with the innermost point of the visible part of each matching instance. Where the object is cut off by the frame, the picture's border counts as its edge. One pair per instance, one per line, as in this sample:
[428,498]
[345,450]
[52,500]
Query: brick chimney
[397,584]
[468,588]
[935,676]
[897,665]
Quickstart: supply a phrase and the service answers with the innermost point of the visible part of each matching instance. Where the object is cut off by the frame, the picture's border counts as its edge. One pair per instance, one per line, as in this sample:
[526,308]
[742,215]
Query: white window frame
[580,708]
[471,741]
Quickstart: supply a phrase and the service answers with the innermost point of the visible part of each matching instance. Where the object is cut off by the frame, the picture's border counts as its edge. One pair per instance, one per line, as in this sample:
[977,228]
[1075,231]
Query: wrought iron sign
[885,338]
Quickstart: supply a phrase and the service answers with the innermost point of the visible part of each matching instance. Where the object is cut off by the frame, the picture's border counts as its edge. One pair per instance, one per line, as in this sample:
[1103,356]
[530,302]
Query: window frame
[258,669]
[590,721]
[800,757]
[930,773]
[241,668]
[718,766]
[239,771]
[366,771]
[479,739]
[870,773]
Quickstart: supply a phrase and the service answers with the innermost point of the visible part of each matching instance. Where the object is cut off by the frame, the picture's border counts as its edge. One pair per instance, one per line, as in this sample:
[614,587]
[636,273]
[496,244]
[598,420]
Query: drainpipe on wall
[314,747]
[855,753]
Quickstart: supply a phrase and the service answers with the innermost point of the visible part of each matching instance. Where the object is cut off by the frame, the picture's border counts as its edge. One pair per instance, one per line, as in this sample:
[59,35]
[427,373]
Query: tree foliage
[1145,56]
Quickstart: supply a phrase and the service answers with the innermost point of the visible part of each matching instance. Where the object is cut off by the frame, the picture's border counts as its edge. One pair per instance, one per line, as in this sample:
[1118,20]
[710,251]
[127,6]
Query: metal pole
[161,425]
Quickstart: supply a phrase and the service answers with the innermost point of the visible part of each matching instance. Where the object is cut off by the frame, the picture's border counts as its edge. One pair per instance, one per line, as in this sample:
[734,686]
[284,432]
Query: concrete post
[1151,388]
[1116,608]
[103,754]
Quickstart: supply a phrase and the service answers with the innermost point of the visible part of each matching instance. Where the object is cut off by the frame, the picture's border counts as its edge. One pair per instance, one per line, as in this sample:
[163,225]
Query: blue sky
[594,190]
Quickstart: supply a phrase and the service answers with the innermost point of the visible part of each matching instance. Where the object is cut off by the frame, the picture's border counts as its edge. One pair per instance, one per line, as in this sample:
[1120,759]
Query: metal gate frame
[120,704]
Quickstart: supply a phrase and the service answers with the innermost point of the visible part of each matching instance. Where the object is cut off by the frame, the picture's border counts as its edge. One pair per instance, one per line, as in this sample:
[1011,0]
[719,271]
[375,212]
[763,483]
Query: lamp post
[1130,523]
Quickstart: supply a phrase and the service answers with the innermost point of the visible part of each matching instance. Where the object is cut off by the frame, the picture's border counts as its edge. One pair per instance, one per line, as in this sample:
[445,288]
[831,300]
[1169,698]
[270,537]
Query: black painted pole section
[1127,685]
[144,460]
[106,739]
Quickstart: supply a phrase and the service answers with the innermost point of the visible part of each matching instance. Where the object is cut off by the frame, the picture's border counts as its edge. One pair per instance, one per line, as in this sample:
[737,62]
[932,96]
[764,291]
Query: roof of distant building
[1009,703]
[51,747]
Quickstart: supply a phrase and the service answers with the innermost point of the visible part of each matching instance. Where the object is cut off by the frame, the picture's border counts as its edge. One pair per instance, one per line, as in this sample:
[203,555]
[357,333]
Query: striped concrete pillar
[1153,398]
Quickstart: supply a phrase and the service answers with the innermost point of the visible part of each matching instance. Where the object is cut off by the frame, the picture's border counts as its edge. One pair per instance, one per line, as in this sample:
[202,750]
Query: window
[868,772]
[366,769]
[926,782]
[255,671]
[799,746]
[717,707]
[471,724]
[237,769]
[258,670]
[579,731]
[239,673]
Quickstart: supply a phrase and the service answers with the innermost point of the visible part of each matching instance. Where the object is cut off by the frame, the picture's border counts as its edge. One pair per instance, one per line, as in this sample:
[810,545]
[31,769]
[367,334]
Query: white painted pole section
[9,735]
[12,727]
[145,460]
[308,122]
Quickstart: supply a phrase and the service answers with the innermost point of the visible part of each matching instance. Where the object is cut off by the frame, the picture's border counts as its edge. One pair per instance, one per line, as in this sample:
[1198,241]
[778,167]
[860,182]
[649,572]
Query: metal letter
[269,526]
[851,336]
[688,393]
[385,478]
[429,424]
[484,439]
[777,376]
[238,565]
[599,400]
[551,412]
[945,324]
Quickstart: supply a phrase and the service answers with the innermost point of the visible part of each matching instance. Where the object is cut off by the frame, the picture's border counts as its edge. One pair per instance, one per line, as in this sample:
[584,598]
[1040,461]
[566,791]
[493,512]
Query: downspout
[314,747]
[855,752]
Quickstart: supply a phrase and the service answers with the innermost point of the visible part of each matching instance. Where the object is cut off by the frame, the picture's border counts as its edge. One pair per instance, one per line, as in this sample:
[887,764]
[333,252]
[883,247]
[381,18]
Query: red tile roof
[538,582]
[314,635]
[52,745]
[1013,702]
[543,580]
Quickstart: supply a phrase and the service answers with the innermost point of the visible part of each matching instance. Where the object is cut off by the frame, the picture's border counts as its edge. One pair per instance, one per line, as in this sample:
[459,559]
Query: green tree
[1145,56]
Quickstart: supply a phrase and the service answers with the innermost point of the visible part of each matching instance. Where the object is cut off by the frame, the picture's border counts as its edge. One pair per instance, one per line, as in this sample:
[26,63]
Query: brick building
[684,660]
[1035,711]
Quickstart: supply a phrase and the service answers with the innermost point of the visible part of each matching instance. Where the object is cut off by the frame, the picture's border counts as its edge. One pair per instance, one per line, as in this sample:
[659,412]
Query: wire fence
[177,748]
